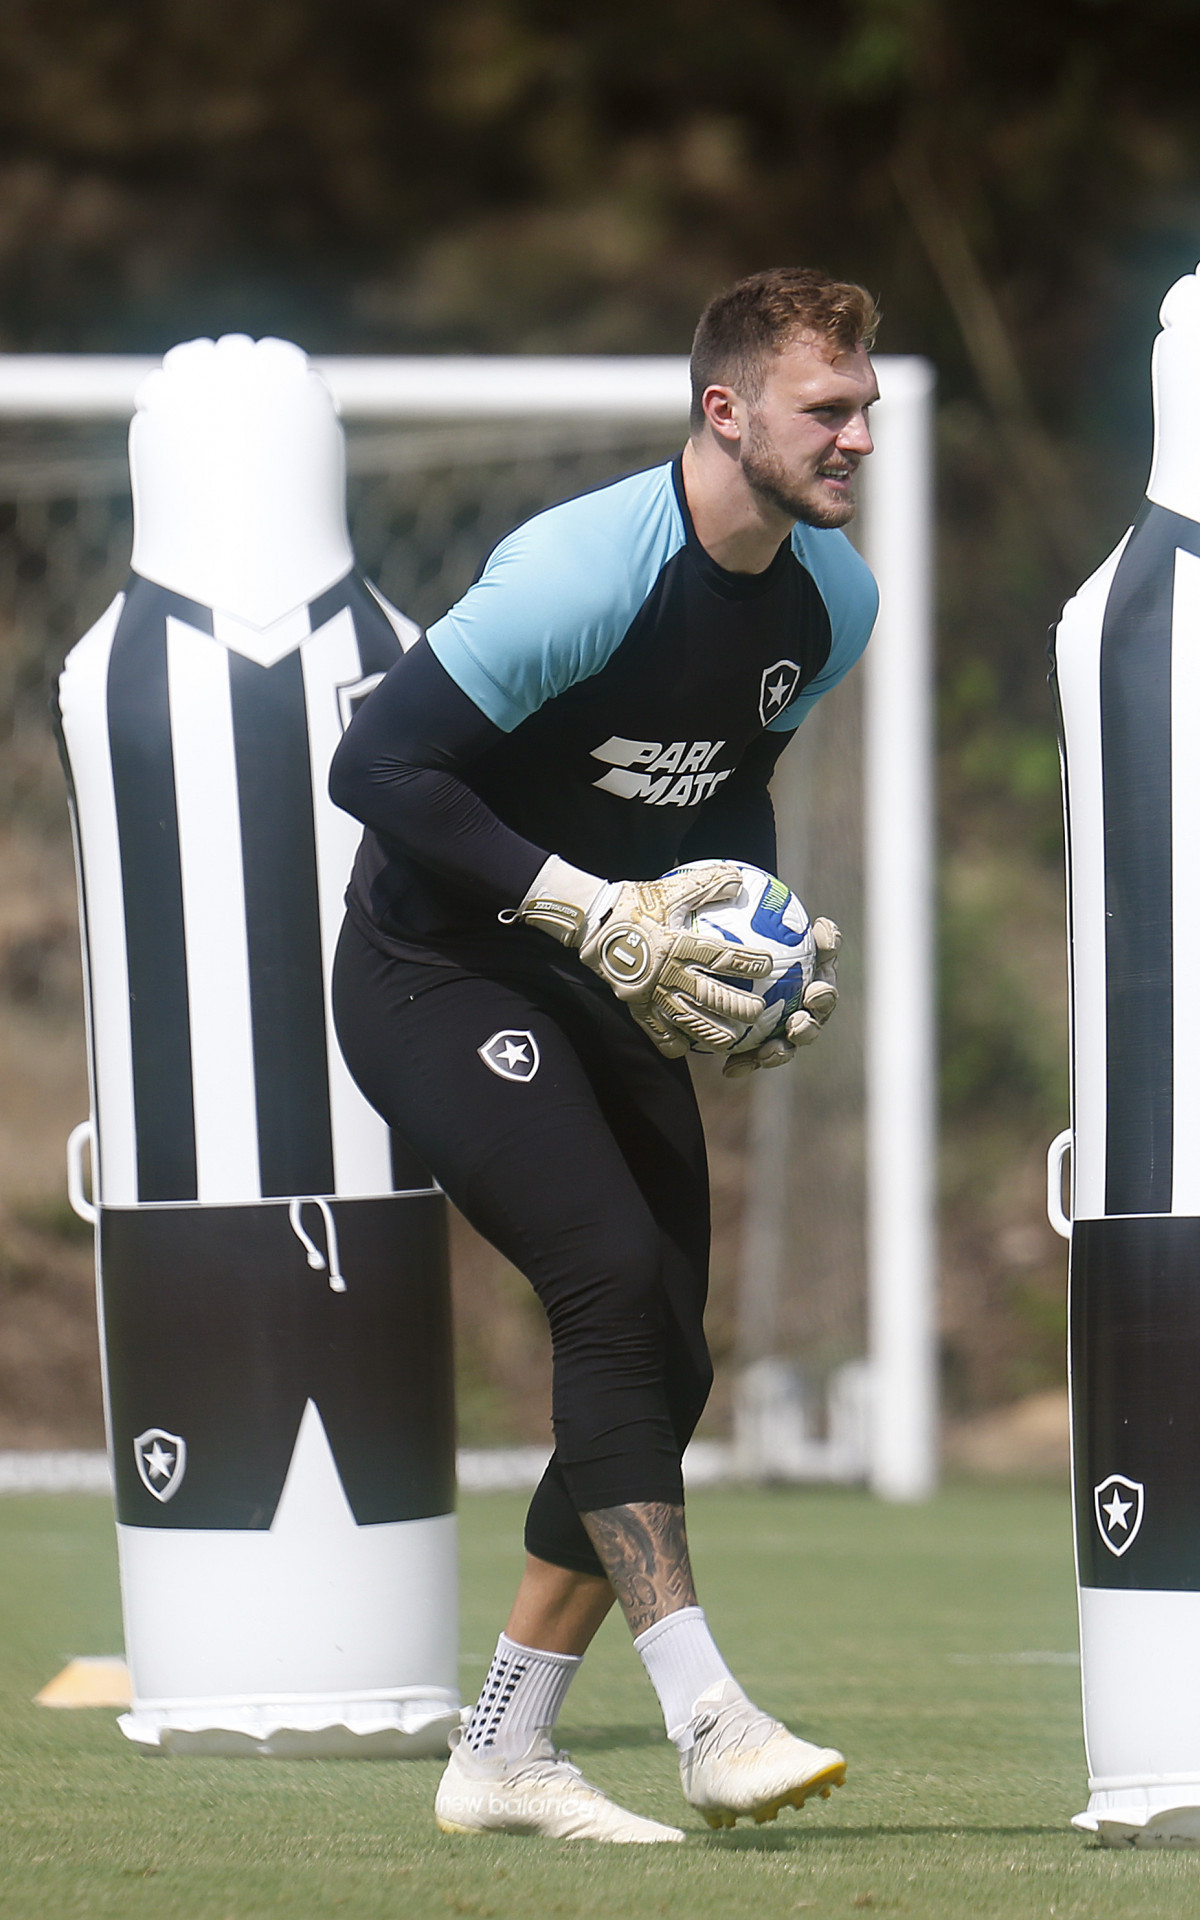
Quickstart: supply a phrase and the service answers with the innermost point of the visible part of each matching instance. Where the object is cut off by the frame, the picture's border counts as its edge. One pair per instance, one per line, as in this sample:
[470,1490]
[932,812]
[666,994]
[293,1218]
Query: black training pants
[576,1149]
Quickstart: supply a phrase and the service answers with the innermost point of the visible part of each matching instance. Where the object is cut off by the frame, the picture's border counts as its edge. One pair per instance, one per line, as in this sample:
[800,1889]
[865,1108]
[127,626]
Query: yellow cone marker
[91,1680]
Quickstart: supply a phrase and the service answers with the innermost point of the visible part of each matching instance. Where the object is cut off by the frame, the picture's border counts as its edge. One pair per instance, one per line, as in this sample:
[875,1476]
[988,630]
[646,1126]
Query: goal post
[900,1053]
[897,1389]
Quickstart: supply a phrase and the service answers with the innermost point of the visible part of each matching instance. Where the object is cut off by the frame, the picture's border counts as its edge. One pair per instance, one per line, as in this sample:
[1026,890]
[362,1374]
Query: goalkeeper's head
[742,329]
[781,378]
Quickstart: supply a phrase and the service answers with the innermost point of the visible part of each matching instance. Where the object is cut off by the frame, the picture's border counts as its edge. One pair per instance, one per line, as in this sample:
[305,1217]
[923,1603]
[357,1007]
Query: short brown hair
[762,315]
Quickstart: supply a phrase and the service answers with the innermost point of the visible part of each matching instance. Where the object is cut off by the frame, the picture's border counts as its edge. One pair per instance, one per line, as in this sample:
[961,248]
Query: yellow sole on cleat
[448,1826]
[823,1784]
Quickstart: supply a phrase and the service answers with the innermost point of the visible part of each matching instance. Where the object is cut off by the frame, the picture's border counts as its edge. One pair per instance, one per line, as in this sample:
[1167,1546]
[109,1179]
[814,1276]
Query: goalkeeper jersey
[605,691]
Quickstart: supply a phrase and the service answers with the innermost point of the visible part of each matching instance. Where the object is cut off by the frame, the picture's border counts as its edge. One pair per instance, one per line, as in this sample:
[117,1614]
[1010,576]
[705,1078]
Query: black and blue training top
[605,691]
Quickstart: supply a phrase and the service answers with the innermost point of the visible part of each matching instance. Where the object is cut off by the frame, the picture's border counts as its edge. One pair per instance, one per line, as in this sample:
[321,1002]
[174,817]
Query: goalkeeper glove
[633,934]
[819,1000]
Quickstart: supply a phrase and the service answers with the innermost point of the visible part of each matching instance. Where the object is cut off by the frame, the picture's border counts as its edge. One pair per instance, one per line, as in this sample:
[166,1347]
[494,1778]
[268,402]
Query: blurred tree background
[1018,184]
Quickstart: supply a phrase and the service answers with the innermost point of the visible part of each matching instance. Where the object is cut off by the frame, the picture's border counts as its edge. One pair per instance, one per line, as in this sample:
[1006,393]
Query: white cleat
[539,1793]
[743,1761]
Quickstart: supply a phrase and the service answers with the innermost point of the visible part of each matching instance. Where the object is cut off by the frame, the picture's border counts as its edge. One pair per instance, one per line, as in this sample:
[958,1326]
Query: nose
[855,436]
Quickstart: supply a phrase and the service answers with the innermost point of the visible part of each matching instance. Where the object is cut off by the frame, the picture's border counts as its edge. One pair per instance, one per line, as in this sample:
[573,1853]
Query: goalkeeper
[515,986]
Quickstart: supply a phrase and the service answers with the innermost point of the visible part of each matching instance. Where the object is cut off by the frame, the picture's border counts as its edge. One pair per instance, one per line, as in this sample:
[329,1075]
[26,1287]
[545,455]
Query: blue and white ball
[765,914]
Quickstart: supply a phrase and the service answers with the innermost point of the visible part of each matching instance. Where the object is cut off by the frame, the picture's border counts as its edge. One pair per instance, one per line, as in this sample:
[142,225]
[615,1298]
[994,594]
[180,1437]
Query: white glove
[633,934]
[803,1026]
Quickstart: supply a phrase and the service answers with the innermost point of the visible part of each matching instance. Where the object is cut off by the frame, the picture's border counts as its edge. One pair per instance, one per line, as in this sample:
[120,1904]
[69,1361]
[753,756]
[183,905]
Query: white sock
[681,1658]
[523,1692]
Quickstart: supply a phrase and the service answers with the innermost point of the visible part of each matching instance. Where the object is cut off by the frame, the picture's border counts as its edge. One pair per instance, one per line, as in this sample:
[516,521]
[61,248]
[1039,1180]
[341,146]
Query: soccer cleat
[539,1793]
[743,1761]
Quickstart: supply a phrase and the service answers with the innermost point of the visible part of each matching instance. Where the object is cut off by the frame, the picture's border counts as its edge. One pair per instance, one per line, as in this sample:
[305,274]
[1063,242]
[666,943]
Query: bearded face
[815,486]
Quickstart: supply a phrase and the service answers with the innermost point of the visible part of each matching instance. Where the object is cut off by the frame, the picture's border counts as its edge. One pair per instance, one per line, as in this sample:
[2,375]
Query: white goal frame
[897,539]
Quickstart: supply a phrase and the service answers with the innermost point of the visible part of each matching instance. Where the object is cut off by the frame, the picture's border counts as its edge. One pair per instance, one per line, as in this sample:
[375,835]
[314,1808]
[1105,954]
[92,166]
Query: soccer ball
[764,914]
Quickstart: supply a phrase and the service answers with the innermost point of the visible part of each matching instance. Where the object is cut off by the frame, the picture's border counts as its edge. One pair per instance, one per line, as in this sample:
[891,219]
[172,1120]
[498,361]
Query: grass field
[934,1645]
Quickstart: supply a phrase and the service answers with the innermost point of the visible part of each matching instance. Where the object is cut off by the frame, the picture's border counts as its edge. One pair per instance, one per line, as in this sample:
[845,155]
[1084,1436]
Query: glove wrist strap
[565,902]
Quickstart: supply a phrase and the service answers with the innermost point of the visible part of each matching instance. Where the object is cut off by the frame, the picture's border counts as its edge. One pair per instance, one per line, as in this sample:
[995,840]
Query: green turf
[892,1632]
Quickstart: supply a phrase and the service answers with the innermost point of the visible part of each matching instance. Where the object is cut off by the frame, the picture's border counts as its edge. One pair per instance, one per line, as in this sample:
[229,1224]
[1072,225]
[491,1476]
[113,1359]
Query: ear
[723,409]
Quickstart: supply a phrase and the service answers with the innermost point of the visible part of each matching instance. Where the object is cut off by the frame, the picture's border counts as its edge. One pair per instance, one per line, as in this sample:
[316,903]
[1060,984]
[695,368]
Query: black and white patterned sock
[523,1693]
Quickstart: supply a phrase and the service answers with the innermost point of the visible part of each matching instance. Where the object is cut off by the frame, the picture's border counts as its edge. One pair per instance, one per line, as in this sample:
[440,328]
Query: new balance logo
[679,774]
[494,1809]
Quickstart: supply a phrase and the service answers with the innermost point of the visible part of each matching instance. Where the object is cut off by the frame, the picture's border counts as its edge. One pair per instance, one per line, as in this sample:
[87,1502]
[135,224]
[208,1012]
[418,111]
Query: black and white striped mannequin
[272,1262]
[1127,672]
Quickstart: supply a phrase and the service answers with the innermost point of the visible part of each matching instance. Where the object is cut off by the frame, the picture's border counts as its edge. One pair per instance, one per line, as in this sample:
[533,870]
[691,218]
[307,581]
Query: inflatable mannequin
[271,1263]
[1127,670]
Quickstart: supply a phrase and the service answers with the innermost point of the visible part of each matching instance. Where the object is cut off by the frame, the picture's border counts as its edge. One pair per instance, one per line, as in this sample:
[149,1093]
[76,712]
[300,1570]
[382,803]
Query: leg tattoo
[643,1549]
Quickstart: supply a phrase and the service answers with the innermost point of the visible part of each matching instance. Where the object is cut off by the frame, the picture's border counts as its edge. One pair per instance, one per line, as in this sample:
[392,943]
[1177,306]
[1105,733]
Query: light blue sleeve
[558,596]
[847,586]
